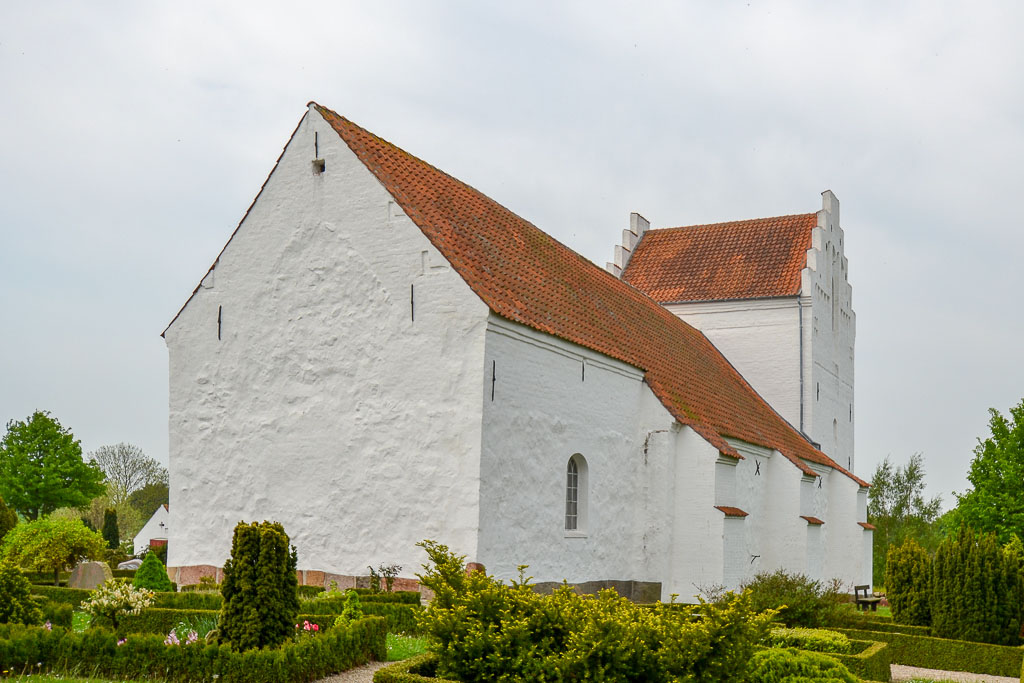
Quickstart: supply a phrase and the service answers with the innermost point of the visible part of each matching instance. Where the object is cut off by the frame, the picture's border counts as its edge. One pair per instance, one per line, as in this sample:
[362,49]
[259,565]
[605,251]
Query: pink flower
[122,642]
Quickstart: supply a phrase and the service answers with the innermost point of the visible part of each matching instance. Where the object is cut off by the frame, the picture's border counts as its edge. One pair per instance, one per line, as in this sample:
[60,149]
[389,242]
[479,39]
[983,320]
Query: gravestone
[88,575]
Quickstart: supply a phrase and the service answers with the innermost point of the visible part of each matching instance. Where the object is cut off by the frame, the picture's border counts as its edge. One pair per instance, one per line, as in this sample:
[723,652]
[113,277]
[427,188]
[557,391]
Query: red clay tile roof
[731,512]
[812,520]
[526,276]
[870,527]
[738,260]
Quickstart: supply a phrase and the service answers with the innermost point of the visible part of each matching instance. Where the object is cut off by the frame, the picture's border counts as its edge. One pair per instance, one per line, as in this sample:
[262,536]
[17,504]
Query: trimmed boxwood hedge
[57,613]
[418,669]
[143,657]
[869,661]
[68,596]
[187,600]
[945,654]
[408,597]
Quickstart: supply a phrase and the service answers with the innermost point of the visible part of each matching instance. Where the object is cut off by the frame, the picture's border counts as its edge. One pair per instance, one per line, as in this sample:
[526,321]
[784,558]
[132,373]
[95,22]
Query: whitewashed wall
[553,399]
[324,405]
[761,338]
[829,339]
[152,529]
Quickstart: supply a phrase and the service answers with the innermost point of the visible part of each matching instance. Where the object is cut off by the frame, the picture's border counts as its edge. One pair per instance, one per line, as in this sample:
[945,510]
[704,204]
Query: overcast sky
[135,134]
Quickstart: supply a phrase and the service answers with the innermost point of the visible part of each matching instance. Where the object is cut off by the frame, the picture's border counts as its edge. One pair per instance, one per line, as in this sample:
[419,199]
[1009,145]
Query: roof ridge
[739,222]
[527,276]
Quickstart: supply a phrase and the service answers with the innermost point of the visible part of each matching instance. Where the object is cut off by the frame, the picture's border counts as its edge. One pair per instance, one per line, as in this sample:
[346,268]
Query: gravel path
[361,674]
[906,673]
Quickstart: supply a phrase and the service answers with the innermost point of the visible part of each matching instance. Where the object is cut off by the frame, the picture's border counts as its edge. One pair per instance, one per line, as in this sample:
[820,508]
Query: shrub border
[945,654]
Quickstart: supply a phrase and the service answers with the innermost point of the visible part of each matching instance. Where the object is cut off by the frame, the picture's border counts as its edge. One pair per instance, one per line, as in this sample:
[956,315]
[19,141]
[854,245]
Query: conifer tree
[260,589]
[152,574]
[110,531]
[976,590]
[908,573]
[8,519]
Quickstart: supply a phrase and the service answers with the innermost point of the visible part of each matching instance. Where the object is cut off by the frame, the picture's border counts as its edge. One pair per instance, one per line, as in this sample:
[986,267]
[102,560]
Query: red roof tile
[812,520]
[738,260]
[528,277]
[869,527]
[731,512]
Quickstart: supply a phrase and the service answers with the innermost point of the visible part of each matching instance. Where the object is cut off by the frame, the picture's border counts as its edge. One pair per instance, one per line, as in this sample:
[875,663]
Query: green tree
[977,589]
[51,544]
[16,603]
[149,498]
[41,468]
[908,575]
[898,509]
[8,519]
[152,575]
[995,501]
[110,530]
[260,589]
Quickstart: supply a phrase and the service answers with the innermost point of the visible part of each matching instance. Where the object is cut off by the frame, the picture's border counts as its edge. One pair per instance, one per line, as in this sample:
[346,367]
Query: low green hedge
[944,654]
[309,591]
[142,657]
[418,669]
[162,620]
[812,639]
[68,596]
[407,597]
[187,600]
[870,660]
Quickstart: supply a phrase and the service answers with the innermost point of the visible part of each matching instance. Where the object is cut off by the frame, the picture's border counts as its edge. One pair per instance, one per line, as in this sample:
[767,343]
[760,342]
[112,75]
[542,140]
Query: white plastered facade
[334,373]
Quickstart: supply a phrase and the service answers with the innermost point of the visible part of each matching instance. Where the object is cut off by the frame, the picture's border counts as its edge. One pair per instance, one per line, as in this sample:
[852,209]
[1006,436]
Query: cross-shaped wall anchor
[819,482]
[757,468]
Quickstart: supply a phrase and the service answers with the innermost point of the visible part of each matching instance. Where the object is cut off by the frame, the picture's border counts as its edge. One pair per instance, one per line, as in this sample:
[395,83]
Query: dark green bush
[111,534]
[8,520]
[776,665]
[868,660]
[812,639]
[152,575]
[483,630]
[977,590]
[947,655]
[908,575]
[260,589]
[143,656]
[16,603]
[57,613]
[801,601]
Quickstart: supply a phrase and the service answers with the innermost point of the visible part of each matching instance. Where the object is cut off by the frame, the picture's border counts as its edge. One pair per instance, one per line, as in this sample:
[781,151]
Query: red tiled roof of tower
[527,276]
[737,260]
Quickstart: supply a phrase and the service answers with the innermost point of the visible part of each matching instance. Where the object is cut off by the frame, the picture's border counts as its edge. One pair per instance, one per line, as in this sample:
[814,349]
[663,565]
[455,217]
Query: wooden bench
[868,598]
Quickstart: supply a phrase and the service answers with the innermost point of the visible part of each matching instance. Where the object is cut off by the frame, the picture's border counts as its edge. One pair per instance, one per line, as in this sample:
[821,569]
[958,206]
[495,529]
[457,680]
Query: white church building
[381,354]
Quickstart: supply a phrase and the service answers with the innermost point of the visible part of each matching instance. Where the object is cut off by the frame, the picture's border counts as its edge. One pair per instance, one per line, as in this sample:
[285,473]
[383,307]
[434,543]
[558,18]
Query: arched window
[576,494]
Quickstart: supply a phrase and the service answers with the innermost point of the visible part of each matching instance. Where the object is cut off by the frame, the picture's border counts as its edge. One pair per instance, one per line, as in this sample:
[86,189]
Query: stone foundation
[185,576]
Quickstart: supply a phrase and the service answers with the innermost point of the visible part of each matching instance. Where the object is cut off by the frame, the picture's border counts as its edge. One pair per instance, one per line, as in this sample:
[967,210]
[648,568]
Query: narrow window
[572,495]
[576,494]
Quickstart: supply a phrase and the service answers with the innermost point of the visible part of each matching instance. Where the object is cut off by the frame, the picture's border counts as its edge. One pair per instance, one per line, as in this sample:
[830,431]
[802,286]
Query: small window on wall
[576,494]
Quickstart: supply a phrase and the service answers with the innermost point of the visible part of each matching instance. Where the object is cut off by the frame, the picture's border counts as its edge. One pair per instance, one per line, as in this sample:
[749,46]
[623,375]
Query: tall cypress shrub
[976,590]
[260,589]
[908,574]
[111,534]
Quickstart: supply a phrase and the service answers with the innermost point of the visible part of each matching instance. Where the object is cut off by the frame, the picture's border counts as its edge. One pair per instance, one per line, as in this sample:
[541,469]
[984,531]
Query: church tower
[773,295]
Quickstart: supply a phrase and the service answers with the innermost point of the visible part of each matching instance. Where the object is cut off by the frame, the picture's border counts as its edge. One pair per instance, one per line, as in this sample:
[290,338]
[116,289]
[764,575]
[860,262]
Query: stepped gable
[528,277]
[750,259]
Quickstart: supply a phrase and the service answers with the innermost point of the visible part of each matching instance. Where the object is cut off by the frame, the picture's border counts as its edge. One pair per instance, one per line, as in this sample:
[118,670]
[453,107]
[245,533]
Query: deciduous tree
[41,468]
[8,518]
[898,509]
[995,501]
[127,469]
[51,544]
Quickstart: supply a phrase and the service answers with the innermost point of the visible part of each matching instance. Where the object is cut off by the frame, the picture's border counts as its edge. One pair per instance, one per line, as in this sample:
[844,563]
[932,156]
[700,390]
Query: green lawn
[403,647]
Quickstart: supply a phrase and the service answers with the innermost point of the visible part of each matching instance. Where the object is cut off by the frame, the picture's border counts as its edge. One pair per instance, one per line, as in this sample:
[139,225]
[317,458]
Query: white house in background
[381,354]
[153,530]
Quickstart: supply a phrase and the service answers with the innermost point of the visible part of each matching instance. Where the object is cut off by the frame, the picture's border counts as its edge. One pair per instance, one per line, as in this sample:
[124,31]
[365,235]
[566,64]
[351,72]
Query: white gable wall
[324,405]
[155,528]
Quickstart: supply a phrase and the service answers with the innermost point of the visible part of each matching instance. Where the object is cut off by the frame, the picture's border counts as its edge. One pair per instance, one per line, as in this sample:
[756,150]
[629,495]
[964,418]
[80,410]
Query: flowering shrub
[306,629]
[173,638]
[114,599]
